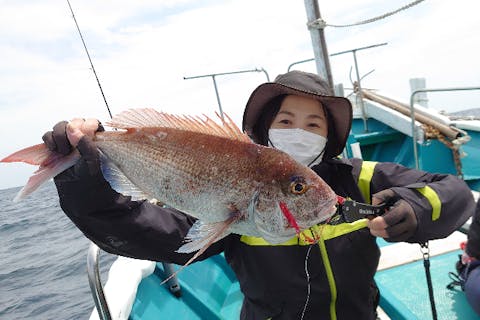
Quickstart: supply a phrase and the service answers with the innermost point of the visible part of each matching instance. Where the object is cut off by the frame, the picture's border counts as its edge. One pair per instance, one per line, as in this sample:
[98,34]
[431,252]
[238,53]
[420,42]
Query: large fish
[211,171]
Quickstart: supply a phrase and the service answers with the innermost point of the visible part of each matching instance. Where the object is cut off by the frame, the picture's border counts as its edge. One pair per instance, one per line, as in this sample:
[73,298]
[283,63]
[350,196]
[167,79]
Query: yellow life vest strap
[365,178]
[324,231]
[433,199]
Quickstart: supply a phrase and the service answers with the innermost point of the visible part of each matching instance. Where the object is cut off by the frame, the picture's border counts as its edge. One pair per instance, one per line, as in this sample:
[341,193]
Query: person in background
[468,266]
[331,279]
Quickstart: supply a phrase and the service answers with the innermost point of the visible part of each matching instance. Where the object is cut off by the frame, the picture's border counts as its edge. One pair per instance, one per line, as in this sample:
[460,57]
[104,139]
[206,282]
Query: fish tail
[50,164]
[35,155]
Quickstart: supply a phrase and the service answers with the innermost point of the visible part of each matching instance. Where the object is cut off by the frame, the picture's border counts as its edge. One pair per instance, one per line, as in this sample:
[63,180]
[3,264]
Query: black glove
[57,140]
[400,218]
[90,162]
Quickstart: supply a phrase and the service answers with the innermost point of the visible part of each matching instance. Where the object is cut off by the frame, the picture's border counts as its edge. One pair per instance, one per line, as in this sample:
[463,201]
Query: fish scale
[192,175]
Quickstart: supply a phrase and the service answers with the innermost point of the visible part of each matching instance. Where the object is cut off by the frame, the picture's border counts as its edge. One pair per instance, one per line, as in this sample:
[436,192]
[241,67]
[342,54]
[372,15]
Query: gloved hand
[56,140]
[399,222]
[76,133]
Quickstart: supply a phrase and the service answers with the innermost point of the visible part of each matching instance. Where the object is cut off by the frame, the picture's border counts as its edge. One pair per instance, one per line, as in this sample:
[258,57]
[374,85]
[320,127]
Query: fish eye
[297,187]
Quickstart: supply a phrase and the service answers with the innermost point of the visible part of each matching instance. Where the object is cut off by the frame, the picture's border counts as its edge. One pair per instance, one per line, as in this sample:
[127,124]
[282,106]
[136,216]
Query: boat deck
[402,281]
[211,291]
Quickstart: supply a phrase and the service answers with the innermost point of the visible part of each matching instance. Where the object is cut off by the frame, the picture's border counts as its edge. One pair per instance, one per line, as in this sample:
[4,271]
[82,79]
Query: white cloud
[142,50]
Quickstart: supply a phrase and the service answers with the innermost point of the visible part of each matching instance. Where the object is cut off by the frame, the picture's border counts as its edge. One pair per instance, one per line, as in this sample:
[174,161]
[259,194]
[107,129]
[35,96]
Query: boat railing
[96,284]
[412,113]
[97,289]
[455,135]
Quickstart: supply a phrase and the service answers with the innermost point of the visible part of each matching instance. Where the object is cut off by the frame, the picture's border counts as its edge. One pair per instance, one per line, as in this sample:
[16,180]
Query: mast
[316,25]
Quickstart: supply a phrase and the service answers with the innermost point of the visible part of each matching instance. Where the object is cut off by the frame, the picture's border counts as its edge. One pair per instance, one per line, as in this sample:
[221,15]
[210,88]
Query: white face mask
[305,147]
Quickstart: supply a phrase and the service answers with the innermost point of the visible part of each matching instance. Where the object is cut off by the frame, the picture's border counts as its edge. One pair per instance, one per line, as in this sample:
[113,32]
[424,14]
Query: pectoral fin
[203,235]
[118,181]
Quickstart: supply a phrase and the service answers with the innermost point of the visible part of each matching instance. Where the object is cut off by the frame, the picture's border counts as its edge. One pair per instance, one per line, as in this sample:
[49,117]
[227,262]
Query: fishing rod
[92,259]
[89,59]
[92,264]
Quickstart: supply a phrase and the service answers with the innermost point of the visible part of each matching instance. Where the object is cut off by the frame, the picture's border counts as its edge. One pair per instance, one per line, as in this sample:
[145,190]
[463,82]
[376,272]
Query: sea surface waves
[43,273]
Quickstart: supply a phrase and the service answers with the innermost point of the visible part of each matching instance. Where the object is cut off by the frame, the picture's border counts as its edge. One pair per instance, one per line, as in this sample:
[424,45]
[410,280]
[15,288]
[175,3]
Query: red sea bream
[209,170]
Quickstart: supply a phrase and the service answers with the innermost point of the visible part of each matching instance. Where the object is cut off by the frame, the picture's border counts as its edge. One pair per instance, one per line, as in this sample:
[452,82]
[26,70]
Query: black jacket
[473,244]
[273,279]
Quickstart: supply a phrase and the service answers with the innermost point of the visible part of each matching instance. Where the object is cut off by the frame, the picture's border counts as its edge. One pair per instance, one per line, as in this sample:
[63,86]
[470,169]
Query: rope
[426,263]
[433,133]
[321,24]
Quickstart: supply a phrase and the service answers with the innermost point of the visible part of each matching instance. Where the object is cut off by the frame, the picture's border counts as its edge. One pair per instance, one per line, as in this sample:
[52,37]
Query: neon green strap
[365,178]
[330,278]
[326,232]
[434,200]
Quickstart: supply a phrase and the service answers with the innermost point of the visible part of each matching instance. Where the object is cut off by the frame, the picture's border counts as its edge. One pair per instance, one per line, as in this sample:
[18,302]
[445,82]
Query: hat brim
[339,110]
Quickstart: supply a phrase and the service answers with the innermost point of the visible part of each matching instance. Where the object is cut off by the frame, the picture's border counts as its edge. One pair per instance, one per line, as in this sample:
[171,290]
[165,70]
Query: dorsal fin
[151,118]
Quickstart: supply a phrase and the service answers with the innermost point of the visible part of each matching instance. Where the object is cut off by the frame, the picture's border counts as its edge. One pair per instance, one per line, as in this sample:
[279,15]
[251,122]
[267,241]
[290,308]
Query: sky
[142,50]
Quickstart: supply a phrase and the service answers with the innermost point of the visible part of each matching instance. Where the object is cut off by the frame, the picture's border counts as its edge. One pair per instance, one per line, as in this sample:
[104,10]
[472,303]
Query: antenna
[360,94]
[213,75]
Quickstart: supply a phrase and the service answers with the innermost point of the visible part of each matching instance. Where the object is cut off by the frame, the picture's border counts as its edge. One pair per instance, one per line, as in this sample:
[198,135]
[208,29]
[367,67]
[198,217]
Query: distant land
[469,114]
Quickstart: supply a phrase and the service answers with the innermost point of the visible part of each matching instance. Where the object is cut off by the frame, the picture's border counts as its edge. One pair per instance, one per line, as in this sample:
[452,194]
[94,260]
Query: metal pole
[318,41]
[172,283]
[266,74]
[298,62]
[218,97]
[95,283]
[360,94]
[334,54]
[412,114]
[213,75]
[358,49]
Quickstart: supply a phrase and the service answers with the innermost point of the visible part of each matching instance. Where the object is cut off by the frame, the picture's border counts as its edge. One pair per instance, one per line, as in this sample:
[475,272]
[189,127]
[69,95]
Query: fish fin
[151,118]
[253,204]
[118,181]
[210,232]
[200,234]
[35,155]
[50,164]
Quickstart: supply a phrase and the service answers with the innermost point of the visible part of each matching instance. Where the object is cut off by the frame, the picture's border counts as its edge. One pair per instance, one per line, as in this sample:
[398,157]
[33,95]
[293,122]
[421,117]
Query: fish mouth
[323,214]
[286,230]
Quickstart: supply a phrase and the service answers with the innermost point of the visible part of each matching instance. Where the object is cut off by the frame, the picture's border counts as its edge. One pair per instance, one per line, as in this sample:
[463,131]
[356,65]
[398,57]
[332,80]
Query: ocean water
[43,273]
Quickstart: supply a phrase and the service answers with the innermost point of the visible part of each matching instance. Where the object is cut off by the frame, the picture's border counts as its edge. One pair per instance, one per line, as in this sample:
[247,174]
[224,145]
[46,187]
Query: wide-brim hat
[339,109]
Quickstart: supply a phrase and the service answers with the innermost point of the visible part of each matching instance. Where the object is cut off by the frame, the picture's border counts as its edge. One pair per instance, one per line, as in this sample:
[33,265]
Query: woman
[294,280]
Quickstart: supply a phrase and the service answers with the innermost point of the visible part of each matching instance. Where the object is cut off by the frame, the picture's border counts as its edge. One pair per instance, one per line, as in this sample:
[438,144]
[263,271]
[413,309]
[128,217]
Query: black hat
[339,109]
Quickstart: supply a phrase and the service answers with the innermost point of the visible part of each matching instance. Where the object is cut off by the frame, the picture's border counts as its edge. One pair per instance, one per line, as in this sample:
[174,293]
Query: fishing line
[89,59]
[308,282]
[317,237]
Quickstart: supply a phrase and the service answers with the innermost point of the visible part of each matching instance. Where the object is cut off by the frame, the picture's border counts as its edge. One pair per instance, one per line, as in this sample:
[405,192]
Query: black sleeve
[473,244]
[445,204]
[136,229]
